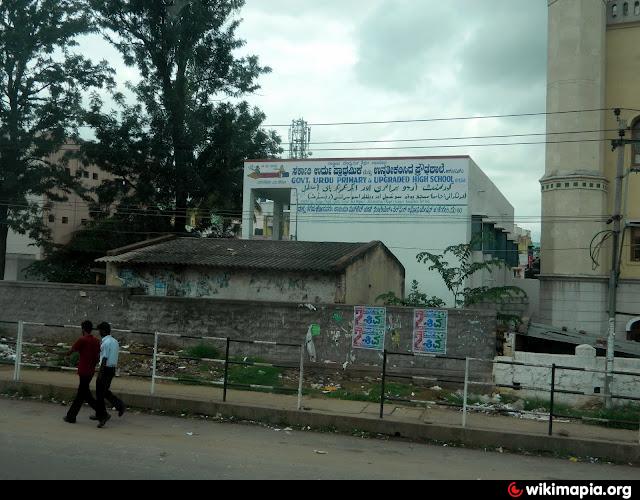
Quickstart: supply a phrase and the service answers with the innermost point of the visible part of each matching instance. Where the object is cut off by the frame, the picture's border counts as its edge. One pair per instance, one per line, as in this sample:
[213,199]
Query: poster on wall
[369,326]
[430,331]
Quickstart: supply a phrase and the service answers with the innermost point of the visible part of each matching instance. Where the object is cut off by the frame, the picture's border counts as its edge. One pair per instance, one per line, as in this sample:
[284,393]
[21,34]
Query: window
[635,244]
[625,9]
[476,233]
[68,171]
[78,173]
[636,8]
[85,174]
[52,218]
[65,220]
[635,135]
[614,10]
[83,222]
[95,177]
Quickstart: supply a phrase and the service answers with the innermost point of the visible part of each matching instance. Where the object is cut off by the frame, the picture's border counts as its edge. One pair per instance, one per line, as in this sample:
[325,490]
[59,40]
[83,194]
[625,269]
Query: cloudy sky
[364,60]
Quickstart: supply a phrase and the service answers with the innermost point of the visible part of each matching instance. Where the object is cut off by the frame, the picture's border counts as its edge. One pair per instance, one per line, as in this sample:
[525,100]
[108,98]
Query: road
[36,444]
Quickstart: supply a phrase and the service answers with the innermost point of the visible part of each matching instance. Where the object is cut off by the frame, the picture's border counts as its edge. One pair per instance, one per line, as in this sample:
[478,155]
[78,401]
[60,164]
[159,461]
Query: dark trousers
[103,383]
[84,394]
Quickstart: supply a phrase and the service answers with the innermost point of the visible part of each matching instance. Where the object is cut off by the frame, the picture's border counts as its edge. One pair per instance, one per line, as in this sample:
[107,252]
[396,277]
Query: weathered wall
[372,275]
[471,333]
[206,282]
[589,382]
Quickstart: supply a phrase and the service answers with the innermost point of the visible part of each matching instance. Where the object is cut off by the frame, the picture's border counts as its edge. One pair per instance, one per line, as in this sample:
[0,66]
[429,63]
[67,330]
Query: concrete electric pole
[615,253]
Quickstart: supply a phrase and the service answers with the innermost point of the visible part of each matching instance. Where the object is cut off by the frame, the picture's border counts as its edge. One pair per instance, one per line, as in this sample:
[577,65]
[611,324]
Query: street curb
[473,438]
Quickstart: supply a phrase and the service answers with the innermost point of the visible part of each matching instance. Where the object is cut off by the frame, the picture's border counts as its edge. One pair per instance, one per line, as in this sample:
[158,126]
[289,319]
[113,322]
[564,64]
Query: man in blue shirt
[109,349]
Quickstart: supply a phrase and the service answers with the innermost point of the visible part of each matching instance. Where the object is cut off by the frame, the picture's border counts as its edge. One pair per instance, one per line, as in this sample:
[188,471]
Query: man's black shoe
[103,421]
[69,420]
[121,411]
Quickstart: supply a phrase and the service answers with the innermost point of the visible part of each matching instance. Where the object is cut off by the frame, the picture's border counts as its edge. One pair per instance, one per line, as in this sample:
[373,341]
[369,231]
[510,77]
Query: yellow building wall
[623,90]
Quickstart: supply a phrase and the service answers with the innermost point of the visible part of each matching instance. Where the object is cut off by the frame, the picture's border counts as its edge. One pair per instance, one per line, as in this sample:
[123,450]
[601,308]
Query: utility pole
[615,264]
[299,138]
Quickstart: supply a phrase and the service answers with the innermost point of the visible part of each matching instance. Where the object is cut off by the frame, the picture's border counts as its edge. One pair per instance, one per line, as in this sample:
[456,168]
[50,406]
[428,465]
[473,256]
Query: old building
[62,218]
[593,68]
[266,270]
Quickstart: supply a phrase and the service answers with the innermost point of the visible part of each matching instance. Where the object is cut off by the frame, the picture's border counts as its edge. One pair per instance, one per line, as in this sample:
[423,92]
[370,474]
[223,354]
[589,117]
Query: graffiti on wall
[169,283]
[394,325]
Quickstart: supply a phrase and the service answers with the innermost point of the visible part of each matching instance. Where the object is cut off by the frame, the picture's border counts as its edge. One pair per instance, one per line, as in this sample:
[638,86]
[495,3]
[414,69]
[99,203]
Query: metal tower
[299,138]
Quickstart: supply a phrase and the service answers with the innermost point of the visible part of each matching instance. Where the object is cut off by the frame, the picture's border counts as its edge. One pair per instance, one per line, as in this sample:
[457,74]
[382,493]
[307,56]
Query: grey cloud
[490,45]
[398,43]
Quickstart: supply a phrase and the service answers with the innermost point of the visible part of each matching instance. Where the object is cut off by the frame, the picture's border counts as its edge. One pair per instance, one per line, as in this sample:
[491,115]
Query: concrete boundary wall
[589,382]
[470,332]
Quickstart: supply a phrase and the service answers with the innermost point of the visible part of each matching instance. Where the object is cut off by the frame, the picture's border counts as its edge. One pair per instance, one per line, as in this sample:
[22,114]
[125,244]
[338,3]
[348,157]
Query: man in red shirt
[89,348]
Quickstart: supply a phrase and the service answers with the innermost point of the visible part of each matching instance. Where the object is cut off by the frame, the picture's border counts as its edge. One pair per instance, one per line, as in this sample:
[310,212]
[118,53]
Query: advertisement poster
[430,331]
[369,326]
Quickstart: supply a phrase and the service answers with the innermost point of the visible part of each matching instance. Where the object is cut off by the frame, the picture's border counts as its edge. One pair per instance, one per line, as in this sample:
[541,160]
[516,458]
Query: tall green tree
[41,87]
[178,147]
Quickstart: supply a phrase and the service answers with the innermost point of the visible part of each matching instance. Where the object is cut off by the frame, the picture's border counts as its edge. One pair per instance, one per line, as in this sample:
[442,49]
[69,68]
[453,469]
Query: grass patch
[203,350]
[30,349]
[628,413]
[254,375]
[371,395]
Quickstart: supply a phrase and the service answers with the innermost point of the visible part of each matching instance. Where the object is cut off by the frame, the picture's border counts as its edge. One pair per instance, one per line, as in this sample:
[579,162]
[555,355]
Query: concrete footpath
[434,424]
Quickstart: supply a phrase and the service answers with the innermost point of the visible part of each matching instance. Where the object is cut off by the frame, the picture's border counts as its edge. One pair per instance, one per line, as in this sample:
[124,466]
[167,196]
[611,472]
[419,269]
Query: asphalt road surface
[35,443]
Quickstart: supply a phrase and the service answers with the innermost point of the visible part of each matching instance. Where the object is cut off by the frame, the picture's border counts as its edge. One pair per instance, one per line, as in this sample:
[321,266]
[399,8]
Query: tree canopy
[42,82]
[182,144]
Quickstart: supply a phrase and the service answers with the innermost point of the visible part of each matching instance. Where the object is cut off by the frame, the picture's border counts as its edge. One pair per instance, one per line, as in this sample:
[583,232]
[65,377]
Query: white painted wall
[405,230]
[19,253]
[588,382]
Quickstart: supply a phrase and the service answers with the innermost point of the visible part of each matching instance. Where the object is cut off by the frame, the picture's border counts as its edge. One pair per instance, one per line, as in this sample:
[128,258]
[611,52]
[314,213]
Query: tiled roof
[244,254]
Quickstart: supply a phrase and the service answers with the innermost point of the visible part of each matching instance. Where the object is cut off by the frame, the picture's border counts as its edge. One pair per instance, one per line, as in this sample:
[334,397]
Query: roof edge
[140,244]
[343,262]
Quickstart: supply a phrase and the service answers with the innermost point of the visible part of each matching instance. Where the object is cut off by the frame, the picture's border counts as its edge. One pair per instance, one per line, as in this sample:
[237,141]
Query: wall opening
[633,330]
[272,215]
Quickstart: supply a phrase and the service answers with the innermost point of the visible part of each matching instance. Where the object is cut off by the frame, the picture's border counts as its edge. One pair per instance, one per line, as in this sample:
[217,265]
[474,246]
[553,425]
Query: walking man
[109,349]
[89,349]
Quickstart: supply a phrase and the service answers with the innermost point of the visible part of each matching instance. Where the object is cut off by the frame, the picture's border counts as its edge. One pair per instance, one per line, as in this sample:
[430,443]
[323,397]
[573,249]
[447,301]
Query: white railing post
[16,368]
[301,377]
[466,387]
[155,359]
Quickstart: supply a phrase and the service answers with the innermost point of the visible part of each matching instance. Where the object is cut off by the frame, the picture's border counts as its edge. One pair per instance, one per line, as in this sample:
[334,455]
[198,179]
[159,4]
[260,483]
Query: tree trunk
[4,231]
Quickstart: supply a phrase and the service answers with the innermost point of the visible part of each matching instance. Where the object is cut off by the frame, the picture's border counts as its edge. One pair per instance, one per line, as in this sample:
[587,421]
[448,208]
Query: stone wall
[470,333]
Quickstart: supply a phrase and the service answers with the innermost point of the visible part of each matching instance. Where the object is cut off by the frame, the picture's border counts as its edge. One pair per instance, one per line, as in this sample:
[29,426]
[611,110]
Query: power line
[450,146]
[339,216]
[503,136]
[457,118]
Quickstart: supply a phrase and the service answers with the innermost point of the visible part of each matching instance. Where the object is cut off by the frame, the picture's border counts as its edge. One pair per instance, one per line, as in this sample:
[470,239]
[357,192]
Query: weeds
[203,350]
